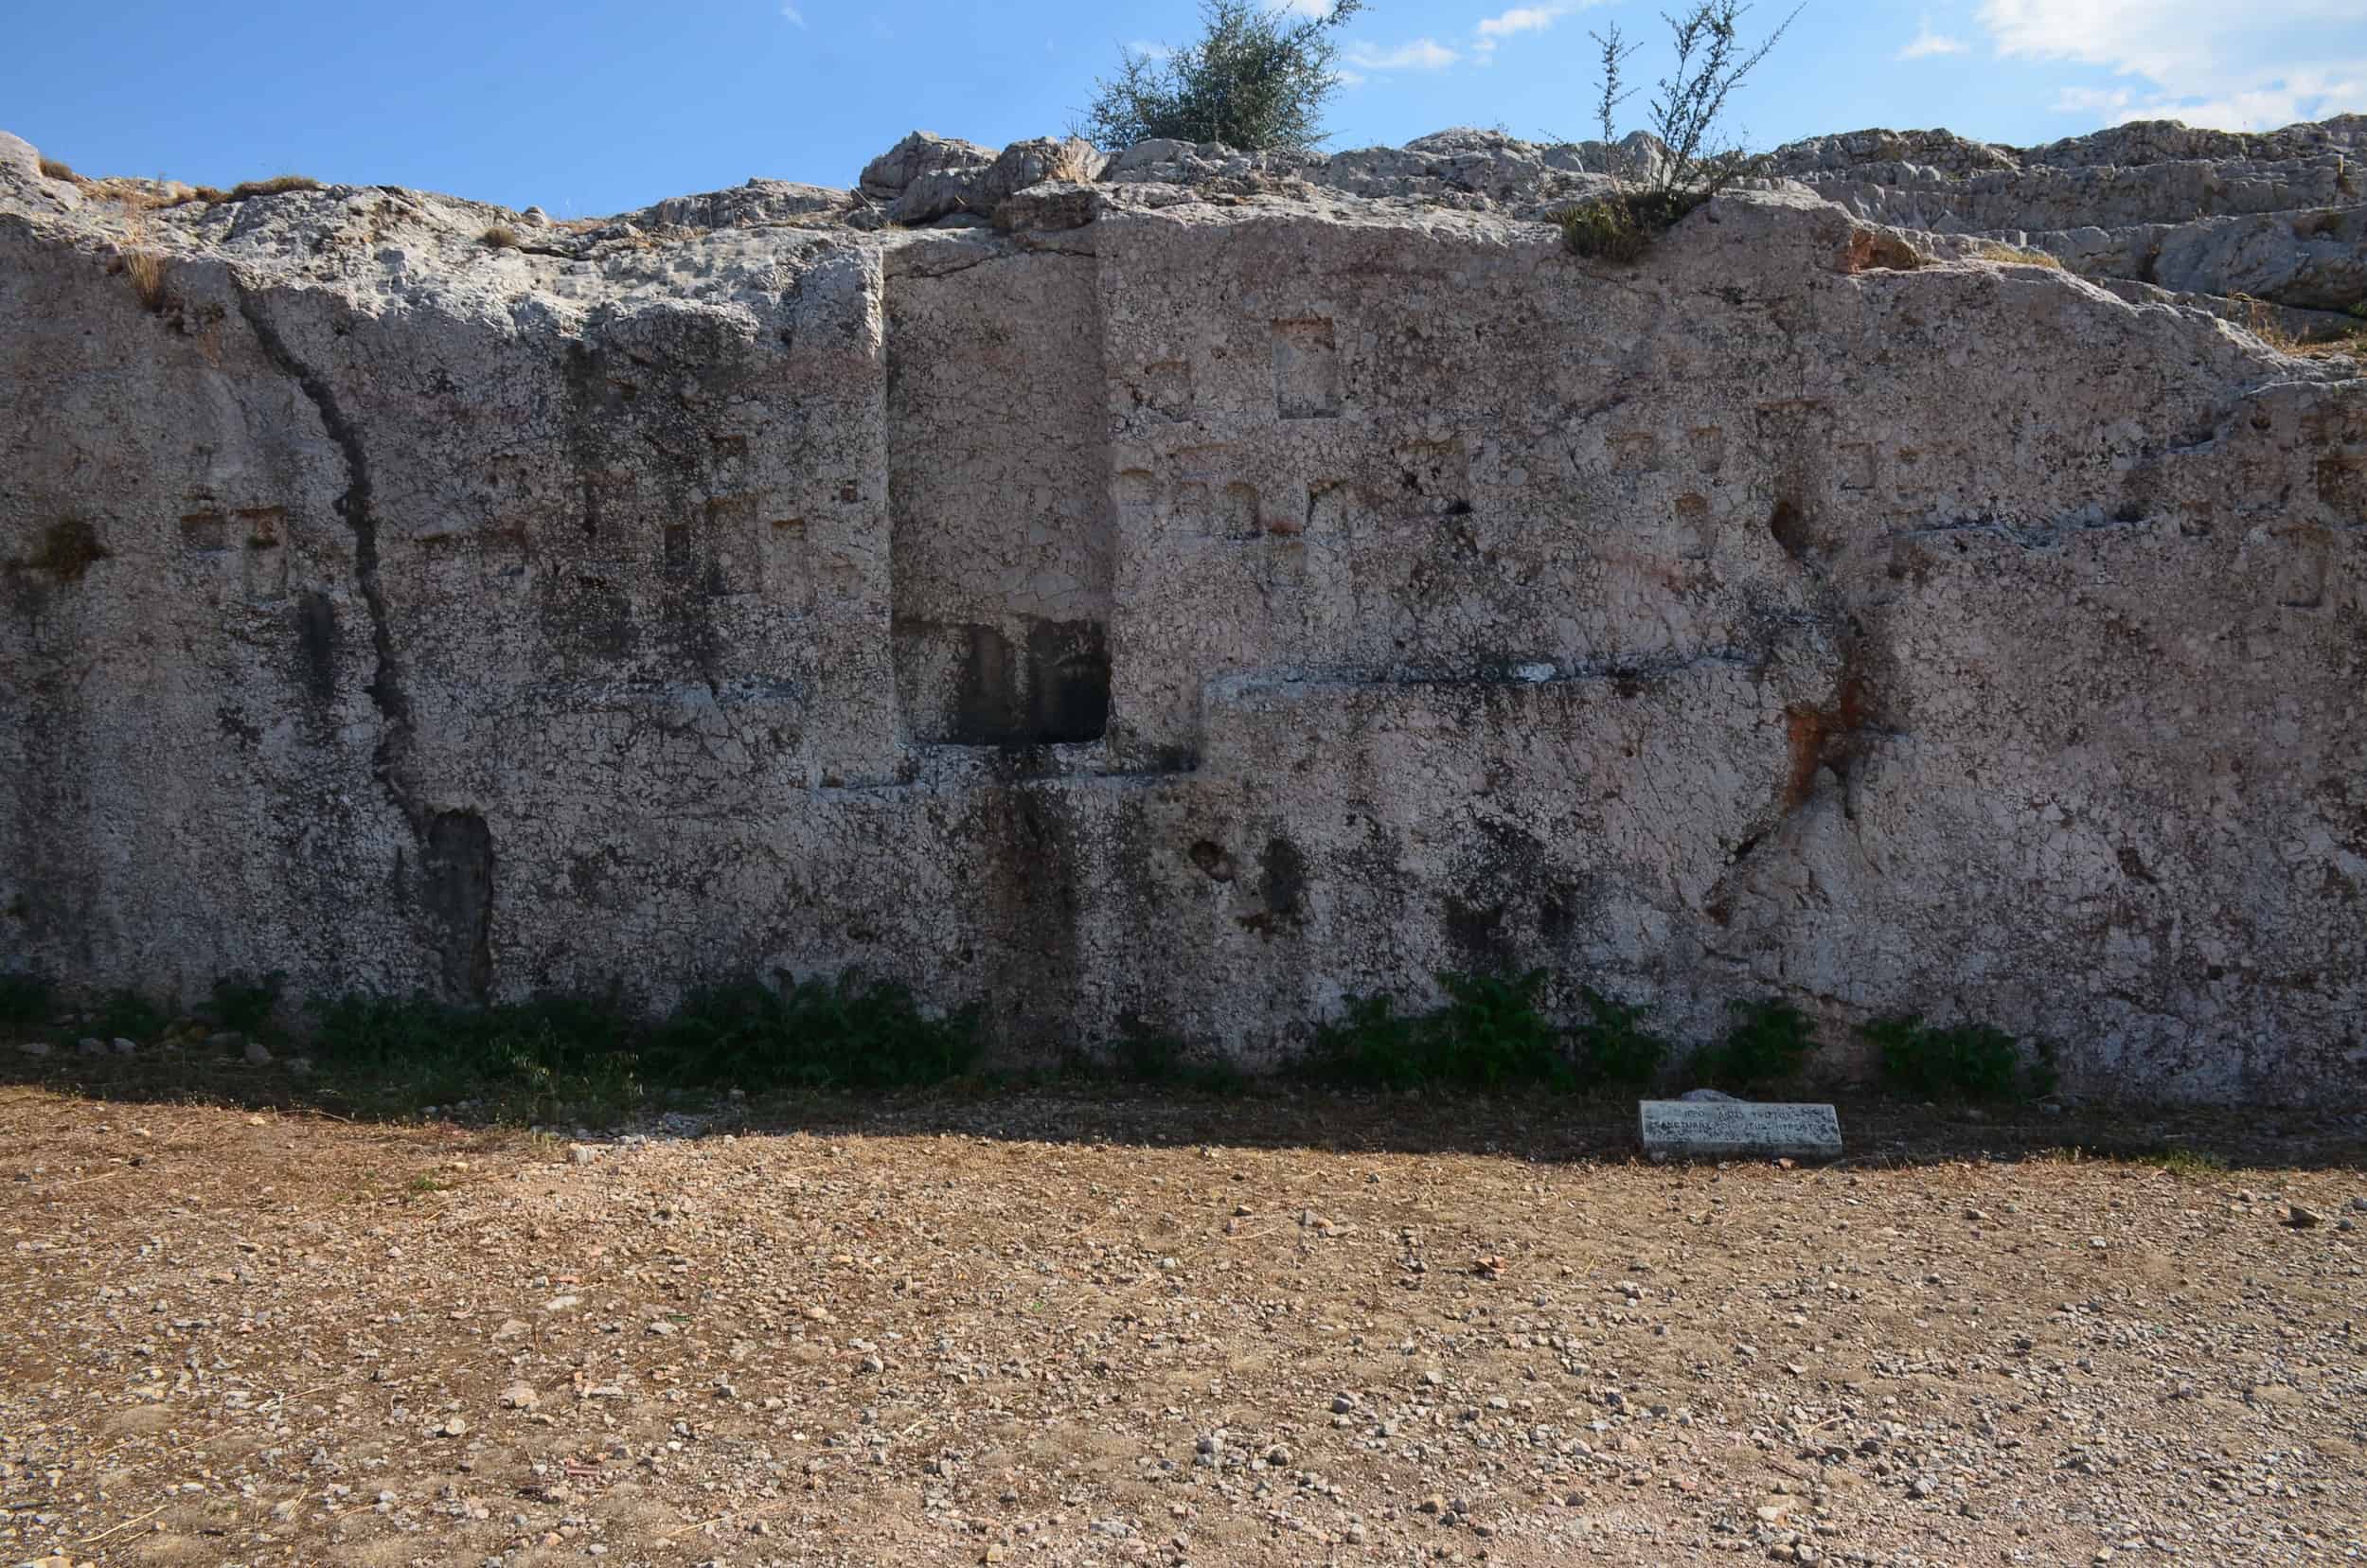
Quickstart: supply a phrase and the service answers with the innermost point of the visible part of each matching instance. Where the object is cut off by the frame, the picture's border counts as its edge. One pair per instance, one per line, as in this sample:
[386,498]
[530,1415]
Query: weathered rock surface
[2277,217]
[1244,582]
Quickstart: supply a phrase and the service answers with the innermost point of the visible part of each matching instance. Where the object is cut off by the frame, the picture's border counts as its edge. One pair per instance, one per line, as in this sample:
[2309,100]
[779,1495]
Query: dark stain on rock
[67,549]
[1029,869]
[589,614]
[1476,931]
[1831,737]
[1789,524]
[1070,663]
[316,646]
[457,894]
[236,725]
[592,875]
[988,708]
[1505,885]
[1212,859]
[1283,870]
[1054,691]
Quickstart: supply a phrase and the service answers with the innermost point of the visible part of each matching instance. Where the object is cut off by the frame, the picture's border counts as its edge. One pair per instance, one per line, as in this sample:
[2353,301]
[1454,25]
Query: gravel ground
[1048,1329]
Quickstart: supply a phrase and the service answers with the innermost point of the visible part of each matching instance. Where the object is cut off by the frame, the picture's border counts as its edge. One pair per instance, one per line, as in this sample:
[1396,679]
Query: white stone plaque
[1721,1129]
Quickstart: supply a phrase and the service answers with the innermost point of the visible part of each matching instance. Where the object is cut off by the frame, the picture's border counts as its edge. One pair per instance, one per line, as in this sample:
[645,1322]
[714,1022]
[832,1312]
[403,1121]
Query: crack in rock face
[1167,595]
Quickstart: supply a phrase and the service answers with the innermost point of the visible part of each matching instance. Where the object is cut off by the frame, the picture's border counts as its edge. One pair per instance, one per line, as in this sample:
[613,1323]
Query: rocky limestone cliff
[1177,591]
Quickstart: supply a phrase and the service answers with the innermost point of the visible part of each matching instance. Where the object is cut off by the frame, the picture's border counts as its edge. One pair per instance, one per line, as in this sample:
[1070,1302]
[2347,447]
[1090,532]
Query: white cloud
[1314,8]
[1493,31]
[1522,19]
[1350,78]
[1423,54]
[2174,42]
[792,14]
[1151,51]
[2265,105]
[2207,63]
[1927,43]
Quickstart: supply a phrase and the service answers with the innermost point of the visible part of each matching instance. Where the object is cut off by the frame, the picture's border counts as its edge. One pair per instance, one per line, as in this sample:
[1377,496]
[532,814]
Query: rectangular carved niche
[739,561]
[243,552]
[1032,683]
[1002,526]
[1305,369]
[2304,557]
[1695,535]
[206,531]
[1215,511]
[2342,482]
[785,563]
[1634,451]
[1853,466]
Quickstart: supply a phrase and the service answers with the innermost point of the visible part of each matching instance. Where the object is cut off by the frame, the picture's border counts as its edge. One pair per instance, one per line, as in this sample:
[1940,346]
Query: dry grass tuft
[2262,323]
[146,270]
[1990,250]
[279,185]
[184,195]
[57,168]
[1075,162]
[500,237]
[143,266]
[1879,250]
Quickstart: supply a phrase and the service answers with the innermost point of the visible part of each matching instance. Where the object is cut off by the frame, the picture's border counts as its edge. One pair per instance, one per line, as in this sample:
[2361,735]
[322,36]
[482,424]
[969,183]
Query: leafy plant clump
[247,1004]
[1370,1045]
[1621,227]
[851,1033]
[1488,1034]
[1257,79]
[129,1014]
[1612,1045]
[1975,1060]
[26,998]
[529,1061]
[1767,1043]
[1699,158]
[1688,111]
[1149,1056]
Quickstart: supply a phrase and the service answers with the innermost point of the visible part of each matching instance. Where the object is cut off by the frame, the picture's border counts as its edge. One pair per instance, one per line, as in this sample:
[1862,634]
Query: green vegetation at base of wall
[1621,226]
[1967,1060]
[568,1057]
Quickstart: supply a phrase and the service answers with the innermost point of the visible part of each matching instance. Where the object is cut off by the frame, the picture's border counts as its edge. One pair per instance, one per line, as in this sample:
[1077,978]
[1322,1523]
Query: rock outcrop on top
[1181,590]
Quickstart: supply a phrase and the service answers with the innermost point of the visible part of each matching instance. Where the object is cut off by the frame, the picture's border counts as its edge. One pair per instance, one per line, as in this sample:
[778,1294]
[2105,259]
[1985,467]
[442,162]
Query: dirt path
[1044,1329]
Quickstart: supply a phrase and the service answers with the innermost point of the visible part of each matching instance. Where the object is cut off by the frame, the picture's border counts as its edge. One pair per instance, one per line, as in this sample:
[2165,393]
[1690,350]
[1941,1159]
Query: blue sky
[600,105]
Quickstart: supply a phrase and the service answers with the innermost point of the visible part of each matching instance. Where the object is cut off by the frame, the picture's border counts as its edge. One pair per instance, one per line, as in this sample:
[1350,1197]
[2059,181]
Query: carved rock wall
[1183,620]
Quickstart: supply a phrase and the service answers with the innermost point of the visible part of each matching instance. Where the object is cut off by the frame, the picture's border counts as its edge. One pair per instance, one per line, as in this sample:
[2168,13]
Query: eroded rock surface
[1224,585]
